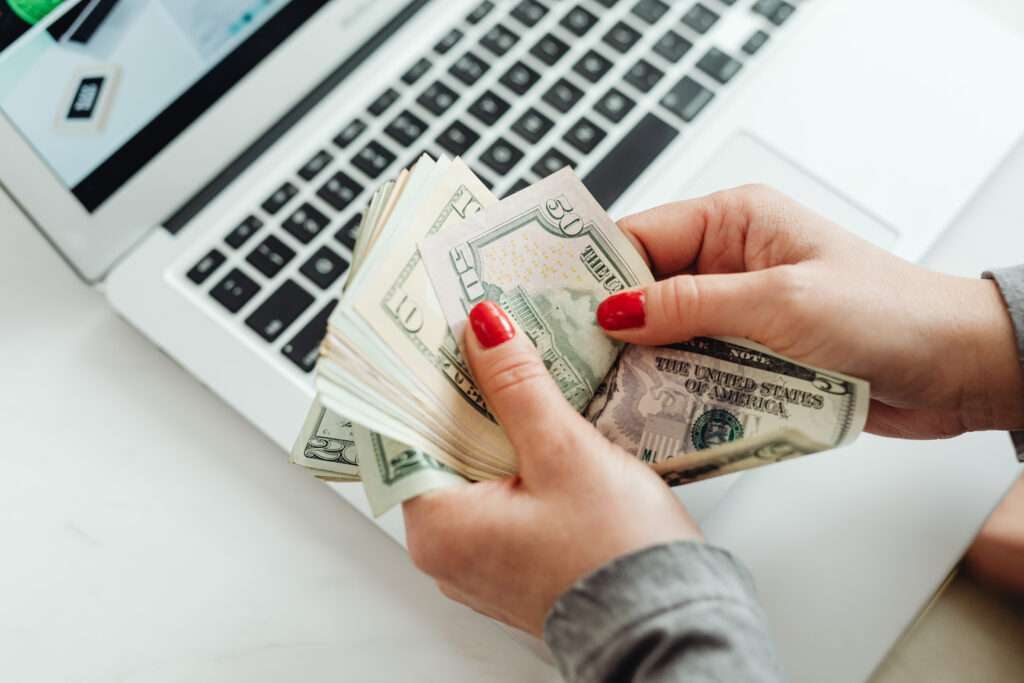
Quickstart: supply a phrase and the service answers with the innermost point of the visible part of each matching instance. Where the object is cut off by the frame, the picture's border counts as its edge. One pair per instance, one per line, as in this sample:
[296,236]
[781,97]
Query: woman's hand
[509,548]
[938,350]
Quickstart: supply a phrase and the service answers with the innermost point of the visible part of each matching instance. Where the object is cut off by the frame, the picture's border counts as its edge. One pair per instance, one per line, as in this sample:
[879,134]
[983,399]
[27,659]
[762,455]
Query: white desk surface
[150,534]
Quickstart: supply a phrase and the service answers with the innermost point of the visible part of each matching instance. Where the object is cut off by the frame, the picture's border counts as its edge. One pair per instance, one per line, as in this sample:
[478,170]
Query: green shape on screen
[31,11]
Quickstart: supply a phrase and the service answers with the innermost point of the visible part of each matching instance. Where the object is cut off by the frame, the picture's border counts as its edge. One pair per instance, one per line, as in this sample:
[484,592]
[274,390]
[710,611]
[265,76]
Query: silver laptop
[206,162]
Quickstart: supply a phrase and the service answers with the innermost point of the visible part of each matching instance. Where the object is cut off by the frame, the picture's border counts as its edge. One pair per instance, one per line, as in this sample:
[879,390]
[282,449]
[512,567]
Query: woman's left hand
[509,548]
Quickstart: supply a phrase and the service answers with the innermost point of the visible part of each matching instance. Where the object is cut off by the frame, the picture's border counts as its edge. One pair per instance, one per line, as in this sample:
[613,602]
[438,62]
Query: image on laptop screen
[96,75]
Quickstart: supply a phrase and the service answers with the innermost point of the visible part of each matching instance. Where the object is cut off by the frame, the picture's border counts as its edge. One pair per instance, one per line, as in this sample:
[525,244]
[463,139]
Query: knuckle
[426,540]
[793,287]
[740,207]
[759,193]
[755,200]
[424,554]
[513,372]
[448,591]
[680,301]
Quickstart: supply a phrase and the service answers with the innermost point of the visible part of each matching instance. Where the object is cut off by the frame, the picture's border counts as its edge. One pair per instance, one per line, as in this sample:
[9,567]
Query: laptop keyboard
[519,90]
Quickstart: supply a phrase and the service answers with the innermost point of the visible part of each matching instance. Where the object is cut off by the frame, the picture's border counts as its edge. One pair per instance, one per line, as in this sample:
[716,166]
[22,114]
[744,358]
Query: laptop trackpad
[745,159]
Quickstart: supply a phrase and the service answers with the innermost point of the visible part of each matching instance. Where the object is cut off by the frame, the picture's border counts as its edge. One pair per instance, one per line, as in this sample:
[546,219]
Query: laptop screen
[99,87]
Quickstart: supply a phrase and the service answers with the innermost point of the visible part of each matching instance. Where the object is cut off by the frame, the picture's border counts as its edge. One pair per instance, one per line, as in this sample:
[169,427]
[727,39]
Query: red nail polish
[490,324]
[622,311]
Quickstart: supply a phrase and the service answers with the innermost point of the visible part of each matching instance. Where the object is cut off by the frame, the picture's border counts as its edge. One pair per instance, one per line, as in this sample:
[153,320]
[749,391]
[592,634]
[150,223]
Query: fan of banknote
[397,407]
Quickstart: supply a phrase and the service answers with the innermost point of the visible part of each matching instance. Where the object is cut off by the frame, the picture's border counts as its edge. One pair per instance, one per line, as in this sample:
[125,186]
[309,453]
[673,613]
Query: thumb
[516,385]
[687,306]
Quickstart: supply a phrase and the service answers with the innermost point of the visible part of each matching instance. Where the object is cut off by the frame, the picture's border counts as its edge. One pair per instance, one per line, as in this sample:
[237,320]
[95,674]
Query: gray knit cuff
[638,587]
[1011,284]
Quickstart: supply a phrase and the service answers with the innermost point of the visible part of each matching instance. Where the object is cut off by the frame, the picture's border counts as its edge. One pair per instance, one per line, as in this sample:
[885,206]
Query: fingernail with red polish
[623,311]
[490,324]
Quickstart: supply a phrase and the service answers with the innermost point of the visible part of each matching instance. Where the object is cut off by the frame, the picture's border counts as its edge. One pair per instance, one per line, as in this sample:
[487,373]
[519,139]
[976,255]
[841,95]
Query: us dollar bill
[433,244]
[711,406]
[326,445]
[394,473]
[548,256]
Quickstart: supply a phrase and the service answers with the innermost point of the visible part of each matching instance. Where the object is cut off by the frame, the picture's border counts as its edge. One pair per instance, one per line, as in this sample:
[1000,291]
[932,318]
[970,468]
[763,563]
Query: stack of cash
[397,407]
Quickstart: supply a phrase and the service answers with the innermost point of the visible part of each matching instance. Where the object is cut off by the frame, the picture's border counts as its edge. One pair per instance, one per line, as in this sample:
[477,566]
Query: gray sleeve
[677,612]
[1011,284]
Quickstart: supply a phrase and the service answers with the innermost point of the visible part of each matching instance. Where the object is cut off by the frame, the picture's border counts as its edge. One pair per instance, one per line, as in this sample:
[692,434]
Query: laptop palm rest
[743,158]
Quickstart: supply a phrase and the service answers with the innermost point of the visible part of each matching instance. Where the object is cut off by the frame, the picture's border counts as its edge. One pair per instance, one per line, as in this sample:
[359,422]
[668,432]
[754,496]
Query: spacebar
[624,164]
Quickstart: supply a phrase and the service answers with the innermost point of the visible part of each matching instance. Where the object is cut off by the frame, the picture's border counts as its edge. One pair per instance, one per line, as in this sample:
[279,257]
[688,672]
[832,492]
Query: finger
[745,228]
[907,423]
[441,537]
[516,385]
[454,593]
[427,521]
[746,305]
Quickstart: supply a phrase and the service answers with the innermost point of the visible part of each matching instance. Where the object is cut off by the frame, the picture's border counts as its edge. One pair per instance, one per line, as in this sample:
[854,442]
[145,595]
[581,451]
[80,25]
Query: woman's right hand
[939,350]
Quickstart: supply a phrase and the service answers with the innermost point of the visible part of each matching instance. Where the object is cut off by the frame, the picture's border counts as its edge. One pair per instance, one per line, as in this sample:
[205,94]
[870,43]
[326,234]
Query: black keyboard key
[305,223]
[563,95]
[501,157]
[281,196]
[775,11]
[416,71]
[324,267]
[650,10]
[672,46]
[579,21]
[520,78]
[449,41]
[700,18]
[374,159]
[549,49]
[622,37]
[235,290]
[270,256]
[483,177]
[489,108]
[517,186]
[615,105]
[243,231]
[499,40]
[755,42]
[532,126]
[348,233]
[469,69]
[719,65]
[339,191]
[383,102]
[592,66]
[406,129]
[529,12]
[630,157]
[479,12]
[350,133]
[643,76]
[585,135]
[457,138]
[206,266]
[607,3]
[438,98]
[687,99]
[280,310]
[552,161]
[304,347]
[311,169]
